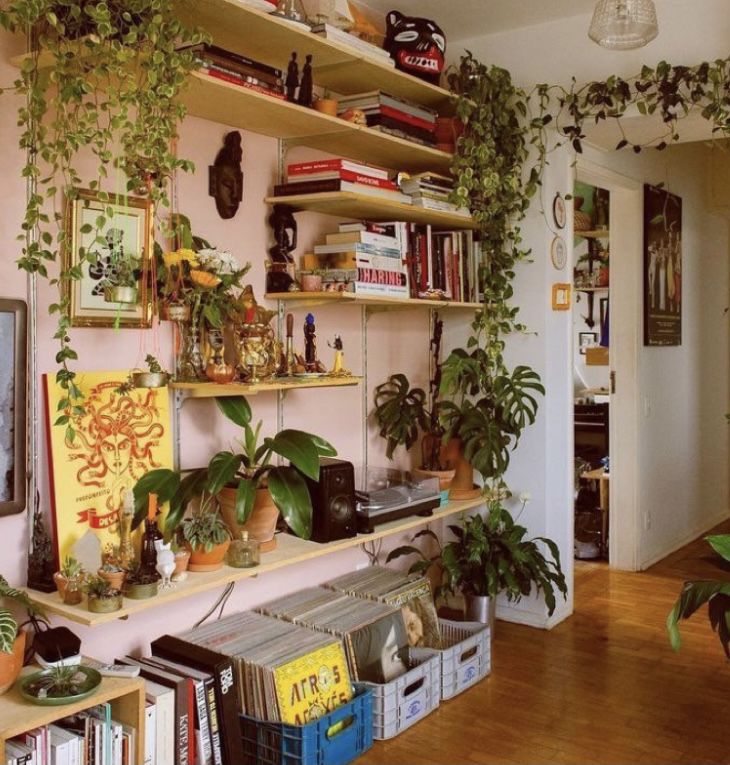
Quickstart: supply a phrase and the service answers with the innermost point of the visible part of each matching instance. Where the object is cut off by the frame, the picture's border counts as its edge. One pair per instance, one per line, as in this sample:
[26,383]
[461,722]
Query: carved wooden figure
[225,177]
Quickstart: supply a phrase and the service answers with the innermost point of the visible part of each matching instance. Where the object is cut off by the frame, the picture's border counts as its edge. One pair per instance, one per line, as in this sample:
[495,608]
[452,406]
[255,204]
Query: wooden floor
[602,687]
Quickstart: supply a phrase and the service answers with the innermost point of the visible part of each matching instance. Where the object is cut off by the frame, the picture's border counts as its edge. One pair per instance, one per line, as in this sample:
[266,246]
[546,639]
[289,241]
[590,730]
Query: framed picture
[586,340]
[561,297]
[13,351]
[559,215]
[662,267]
[558,253]
[128,231]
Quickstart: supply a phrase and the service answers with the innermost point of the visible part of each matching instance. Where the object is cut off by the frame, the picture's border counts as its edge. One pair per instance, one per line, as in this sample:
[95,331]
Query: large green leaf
[192,485]
[400,412]
[291,495]
[693,595]
[162,482]
[299,448]
[324,448]
[222,470]
[236,408]
[8,631]
[245,498]
[720,543]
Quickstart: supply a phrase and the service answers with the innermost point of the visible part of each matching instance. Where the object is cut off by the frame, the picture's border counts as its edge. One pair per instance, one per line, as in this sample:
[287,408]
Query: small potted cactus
[102,598]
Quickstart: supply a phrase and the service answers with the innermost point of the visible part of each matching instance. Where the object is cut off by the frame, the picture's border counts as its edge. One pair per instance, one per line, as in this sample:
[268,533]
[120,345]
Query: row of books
[393,115]
[400,259]
[90,737]
[238,70]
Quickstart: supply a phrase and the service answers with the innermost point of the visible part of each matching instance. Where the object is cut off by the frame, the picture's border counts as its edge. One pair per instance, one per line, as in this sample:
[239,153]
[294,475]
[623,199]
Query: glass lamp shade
[624,24]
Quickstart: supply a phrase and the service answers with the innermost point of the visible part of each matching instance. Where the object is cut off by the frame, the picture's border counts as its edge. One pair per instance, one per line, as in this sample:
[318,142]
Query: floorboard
[602,687]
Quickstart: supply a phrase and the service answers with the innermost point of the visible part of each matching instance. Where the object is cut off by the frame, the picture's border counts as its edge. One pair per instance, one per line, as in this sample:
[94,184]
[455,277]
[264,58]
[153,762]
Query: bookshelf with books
[126,699]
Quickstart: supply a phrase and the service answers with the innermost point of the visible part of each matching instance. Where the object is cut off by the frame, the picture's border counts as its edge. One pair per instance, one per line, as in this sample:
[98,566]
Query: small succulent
[205,528]
[97,587]
[71,568]
[154,365]
[58,682]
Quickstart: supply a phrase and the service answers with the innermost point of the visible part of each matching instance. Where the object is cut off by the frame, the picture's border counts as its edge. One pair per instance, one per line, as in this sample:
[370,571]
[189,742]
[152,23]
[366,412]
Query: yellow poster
[119,438]
[313,685]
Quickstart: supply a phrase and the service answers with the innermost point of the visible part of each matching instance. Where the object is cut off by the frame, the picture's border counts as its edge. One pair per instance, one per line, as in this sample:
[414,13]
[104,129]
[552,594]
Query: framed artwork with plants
[113,262]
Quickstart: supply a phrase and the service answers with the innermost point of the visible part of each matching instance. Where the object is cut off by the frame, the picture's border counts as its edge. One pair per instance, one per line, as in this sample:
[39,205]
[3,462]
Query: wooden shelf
[591,289]
[214,390]
[290,551]
[347,204]
[600,234]
[350,298]
[228,104]
[126,694]
[338,67]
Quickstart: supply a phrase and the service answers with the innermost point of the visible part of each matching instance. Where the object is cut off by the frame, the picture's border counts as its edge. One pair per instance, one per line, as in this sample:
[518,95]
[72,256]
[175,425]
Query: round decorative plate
[558,253]
[30,684]
[559,210]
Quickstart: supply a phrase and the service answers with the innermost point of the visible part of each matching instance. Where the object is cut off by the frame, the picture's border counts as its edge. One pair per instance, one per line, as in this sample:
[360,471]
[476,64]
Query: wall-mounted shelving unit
[216,390]
[290,551]
[373,301]
[597,234]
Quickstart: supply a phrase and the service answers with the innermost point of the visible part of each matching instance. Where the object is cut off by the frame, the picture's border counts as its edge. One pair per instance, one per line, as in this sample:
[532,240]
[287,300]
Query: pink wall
[397,341]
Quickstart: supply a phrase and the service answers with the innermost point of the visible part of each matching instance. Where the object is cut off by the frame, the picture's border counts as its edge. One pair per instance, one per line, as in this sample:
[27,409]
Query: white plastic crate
[466,657]
[409,698]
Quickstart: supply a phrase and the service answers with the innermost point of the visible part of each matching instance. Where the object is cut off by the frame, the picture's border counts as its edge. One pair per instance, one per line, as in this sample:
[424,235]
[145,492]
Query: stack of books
[411,594]
[90,737]
[329,175]
[374,634]
[369,257]
[238,70]
[359,46]
[275,665]
[432,191]
[394,116]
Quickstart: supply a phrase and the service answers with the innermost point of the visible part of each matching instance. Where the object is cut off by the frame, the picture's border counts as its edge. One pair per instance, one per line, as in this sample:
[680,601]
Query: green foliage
[400,412]
[107,84]
[205,528]
[247,470]
[695,594]
[97,587]
[71,568]
[492,556]
[153,365]
[8,624]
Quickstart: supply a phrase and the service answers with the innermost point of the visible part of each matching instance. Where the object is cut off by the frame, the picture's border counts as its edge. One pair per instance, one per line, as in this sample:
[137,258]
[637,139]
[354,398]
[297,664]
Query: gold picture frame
[131,225]
[561,297]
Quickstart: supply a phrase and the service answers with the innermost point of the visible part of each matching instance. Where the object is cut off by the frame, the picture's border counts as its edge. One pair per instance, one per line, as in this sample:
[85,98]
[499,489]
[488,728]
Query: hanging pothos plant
[104,81]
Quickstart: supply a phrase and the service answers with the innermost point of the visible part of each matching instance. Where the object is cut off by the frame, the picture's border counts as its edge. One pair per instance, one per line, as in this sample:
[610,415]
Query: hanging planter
[127,295]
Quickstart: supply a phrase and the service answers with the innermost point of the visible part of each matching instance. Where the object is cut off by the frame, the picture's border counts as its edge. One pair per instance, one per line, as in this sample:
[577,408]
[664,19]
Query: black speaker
[333,501]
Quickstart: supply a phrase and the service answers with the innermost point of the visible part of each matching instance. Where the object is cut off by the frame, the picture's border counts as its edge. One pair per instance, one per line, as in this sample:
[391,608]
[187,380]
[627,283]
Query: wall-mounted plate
[558,253]
[559,214]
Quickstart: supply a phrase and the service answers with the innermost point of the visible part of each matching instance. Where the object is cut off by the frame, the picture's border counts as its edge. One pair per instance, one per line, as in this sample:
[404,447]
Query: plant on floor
[104,79]
[8,624]
[492,556]
[715,593]
[251,468]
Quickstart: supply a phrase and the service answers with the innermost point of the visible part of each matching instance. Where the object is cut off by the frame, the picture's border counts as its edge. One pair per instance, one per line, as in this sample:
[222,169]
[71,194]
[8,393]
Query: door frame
[625,323]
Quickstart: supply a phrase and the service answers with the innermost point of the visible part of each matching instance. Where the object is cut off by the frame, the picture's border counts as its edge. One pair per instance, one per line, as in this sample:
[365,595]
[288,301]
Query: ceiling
[462,19]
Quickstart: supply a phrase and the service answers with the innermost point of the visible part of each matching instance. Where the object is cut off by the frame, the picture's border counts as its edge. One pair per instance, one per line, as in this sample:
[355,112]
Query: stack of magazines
[411,594]
[374,634]
[285,673]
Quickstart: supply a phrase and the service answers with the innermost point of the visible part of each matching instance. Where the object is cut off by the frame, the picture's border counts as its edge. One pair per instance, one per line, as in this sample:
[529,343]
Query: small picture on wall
[662,267]
[127,238]
[587,340]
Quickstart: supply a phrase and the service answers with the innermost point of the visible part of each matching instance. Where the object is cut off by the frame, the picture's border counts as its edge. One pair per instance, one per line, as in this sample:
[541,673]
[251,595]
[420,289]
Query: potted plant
[491,556]
[139,585]
[251,489]
[155,377]
[326,104]
[122,285]
[12,636]
[71,570]
[311,281]
[715,593]
[102,597]
[112,573]
[206,535]
[62,684]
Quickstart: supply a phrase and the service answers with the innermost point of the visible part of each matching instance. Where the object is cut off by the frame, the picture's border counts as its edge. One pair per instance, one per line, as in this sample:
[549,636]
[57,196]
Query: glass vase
[190,364]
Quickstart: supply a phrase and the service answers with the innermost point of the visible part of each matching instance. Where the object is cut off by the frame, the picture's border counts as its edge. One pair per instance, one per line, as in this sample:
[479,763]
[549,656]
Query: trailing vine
[103,80]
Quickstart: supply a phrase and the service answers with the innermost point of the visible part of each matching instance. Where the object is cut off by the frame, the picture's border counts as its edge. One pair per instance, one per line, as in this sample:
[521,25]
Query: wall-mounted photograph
[13,352]
[113,289]
[587,340]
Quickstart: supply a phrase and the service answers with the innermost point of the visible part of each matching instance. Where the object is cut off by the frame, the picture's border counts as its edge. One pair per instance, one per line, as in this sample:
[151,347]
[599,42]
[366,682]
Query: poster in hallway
[662,267]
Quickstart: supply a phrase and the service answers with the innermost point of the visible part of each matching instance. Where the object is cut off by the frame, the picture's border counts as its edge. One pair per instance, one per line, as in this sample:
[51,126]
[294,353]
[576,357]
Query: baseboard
[690,536]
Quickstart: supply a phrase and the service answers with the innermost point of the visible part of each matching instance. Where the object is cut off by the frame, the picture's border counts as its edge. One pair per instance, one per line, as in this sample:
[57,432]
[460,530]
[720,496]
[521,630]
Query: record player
[384,494]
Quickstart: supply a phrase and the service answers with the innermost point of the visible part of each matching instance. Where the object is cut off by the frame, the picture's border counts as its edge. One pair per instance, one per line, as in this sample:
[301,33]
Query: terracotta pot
[61,583]
[603,276]
[115,578]
[200,560]
[261,526]
[220,372]
[311,282]
[462,485]
[445,476]
[12,663]
[326,106]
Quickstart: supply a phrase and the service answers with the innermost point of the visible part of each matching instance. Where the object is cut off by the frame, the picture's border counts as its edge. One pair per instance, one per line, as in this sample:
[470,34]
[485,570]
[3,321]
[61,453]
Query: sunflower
[204,279]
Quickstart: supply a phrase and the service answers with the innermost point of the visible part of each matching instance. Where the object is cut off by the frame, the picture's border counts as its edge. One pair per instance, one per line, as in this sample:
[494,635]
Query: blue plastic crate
[266,743]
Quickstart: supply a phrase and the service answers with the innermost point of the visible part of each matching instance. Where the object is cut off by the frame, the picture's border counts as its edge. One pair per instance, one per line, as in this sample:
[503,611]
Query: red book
[331,165]
[409,119]
[242,83]
[344,175]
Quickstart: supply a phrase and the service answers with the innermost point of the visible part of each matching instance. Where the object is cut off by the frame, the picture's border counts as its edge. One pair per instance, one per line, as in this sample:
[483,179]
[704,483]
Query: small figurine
[279,277]
[40,559]
[292,78]
[338,368]
[290,359]
[306,87]
[165,562]
[148,553]
[126,516]
[310,344]
[225,177]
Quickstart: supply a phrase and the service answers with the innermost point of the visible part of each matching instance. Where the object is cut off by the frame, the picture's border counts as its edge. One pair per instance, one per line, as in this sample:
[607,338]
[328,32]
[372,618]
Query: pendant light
[624,24]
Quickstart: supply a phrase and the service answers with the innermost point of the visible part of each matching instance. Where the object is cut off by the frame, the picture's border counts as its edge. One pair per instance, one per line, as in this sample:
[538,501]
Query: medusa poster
[119,437]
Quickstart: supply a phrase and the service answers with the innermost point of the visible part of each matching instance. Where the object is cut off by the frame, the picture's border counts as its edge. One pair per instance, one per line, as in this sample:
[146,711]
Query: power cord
[220,604]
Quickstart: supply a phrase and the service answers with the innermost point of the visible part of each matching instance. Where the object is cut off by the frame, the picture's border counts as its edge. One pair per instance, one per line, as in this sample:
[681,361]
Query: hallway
[602,687]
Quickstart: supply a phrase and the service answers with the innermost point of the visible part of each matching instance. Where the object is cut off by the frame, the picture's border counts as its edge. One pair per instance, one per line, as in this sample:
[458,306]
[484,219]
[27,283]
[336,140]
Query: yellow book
[312,685]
